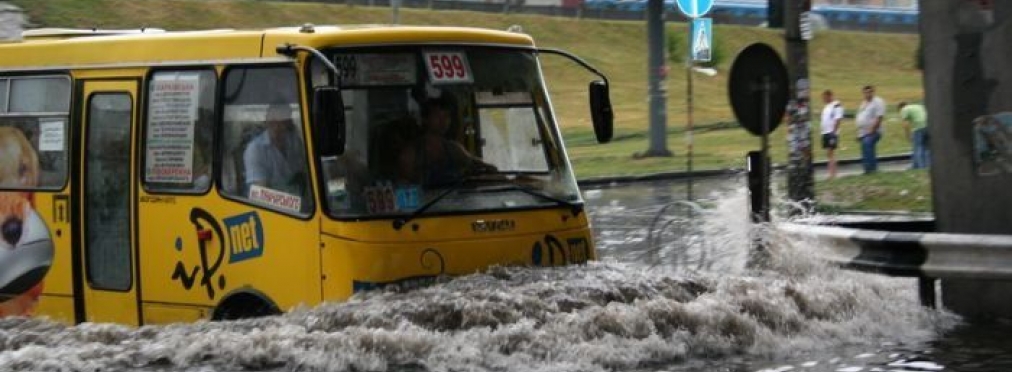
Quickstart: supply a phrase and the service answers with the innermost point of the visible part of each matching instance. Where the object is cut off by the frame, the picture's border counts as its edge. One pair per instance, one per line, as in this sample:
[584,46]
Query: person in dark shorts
[832,113]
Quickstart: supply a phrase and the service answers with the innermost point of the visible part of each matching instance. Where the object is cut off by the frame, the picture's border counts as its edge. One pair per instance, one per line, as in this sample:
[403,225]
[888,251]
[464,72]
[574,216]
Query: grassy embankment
[842,61]
[895,191]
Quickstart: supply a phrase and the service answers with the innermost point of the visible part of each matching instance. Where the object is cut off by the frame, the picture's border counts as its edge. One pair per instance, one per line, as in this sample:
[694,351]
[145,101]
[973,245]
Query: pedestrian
[832,113]
[869,127]
[914,115]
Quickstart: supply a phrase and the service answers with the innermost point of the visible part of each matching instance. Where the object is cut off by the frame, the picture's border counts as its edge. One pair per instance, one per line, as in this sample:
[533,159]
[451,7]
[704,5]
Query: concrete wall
[11,22]
[968,74]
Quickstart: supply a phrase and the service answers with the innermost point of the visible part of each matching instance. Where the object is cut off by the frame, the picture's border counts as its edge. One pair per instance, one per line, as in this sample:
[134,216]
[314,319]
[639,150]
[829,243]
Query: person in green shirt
[915,116]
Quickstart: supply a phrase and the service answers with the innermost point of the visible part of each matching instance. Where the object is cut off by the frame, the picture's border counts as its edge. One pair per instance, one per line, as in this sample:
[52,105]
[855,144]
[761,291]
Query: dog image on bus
[26,253]
[26,250]
[19,164]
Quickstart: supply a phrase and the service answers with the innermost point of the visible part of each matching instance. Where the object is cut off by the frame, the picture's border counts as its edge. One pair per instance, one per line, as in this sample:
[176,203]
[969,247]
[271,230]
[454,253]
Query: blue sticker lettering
[247,237]
[407,198]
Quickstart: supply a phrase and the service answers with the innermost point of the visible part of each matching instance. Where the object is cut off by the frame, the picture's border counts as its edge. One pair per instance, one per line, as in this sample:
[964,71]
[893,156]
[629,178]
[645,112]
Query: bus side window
[34,139]
[179,132]
[264,157]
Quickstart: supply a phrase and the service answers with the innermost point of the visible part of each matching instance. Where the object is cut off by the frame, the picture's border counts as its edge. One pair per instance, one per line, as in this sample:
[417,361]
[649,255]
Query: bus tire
[245,305]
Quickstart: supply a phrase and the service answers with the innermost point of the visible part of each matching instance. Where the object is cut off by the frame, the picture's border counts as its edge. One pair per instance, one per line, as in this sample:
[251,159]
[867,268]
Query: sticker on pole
[702,39]
[447,67]
[695,8]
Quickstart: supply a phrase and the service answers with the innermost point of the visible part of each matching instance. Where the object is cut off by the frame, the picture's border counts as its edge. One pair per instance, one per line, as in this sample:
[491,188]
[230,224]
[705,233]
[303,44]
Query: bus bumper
[351,266]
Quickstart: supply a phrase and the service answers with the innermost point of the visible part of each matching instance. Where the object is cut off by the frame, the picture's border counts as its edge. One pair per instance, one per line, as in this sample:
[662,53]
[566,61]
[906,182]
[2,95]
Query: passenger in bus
[433,159]
[275,158]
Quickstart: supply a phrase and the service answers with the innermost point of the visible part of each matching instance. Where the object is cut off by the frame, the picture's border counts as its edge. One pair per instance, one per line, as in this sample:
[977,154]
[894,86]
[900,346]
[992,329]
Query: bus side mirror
[328,121]
[600,111]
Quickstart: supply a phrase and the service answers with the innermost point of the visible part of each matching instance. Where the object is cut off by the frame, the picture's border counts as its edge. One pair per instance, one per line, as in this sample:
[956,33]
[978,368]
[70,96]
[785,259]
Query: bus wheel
[245,305]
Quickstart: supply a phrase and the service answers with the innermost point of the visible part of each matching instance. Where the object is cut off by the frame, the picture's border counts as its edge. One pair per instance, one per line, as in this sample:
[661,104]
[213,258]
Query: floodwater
[672,292]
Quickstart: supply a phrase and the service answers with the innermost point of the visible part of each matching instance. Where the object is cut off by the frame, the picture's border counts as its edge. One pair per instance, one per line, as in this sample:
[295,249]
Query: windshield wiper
[454,186]
[574,208]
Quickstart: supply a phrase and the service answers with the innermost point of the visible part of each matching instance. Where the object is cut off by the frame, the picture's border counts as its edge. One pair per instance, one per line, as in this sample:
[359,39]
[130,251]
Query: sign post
[700,50]
[758,90]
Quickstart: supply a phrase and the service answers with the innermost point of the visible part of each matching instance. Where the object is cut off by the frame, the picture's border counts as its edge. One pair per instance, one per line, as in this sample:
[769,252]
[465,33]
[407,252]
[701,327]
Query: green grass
[896,191]
[842,61]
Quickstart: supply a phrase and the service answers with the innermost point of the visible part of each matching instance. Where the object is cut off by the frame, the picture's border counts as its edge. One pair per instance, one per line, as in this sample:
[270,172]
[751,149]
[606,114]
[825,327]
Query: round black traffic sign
[758,66]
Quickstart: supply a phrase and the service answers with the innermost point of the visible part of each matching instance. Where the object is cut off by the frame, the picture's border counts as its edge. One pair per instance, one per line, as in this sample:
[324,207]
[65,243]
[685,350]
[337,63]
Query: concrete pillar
[968,85]
[967,76]
[978,299]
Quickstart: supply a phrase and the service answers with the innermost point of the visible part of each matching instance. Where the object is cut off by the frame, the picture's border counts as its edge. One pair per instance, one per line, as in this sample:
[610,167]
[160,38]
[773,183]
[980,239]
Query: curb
[599,181]
[708,173]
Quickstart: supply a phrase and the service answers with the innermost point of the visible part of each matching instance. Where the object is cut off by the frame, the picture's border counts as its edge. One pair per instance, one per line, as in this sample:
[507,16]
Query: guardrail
[924,255]
[913,254]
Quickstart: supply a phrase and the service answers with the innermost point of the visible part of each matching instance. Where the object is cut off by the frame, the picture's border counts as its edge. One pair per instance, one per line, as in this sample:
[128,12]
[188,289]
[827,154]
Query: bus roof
[70,48]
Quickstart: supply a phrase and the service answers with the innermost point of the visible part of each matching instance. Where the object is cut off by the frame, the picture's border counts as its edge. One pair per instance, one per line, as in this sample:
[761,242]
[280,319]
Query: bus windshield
[446,129]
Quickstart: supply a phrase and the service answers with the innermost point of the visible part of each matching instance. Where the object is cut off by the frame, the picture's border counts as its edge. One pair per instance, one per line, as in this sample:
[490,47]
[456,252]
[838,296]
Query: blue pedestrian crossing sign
[701,42]
[695,8]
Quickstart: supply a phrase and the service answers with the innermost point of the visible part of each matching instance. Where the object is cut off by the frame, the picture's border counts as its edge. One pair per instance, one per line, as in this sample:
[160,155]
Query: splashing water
[609,315]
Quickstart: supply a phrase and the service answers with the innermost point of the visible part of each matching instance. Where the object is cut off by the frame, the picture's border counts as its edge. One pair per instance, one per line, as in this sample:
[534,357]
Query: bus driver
[432,159]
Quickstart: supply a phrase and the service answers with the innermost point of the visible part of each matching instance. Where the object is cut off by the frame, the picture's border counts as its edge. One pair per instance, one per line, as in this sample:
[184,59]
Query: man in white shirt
[832,113]
[275,159]
[869,127]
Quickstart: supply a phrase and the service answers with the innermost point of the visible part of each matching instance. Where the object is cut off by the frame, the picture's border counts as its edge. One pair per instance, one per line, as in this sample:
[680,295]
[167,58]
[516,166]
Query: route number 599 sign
[447,67]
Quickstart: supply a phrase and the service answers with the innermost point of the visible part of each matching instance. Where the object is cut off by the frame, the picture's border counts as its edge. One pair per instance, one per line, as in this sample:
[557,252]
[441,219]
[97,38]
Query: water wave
[601,316]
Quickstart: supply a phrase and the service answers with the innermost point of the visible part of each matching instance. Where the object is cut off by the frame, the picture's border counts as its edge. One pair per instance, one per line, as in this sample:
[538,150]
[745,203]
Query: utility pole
[797,32]
[657,71]
[395,7]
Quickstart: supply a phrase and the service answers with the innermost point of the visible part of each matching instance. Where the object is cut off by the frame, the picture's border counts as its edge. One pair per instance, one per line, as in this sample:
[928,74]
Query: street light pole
[657,72]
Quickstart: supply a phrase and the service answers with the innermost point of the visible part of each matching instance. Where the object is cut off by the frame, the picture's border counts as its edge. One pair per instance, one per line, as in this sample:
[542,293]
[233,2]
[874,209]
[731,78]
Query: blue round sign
[695,8]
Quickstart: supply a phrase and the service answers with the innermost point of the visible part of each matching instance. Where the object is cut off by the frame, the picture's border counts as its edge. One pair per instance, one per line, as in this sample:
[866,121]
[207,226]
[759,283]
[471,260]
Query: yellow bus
[150,177]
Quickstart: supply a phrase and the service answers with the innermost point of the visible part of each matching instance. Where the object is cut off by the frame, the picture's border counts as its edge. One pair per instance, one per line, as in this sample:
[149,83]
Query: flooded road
[671,293]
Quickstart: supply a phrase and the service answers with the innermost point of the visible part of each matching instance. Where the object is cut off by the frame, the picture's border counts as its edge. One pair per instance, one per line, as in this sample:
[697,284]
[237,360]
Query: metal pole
[765,149]
[395,7]
[800,179]
[688,131]
[657,73]
[926,290]
[759,178]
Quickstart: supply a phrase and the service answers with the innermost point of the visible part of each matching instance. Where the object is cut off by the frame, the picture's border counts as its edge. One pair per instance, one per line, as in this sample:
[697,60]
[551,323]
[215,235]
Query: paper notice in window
[51,135]
[172,114]
[274,198]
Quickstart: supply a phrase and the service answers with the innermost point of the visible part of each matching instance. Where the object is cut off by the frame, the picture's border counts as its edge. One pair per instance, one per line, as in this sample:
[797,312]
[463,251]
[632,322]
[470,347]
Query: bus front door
[106,280]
